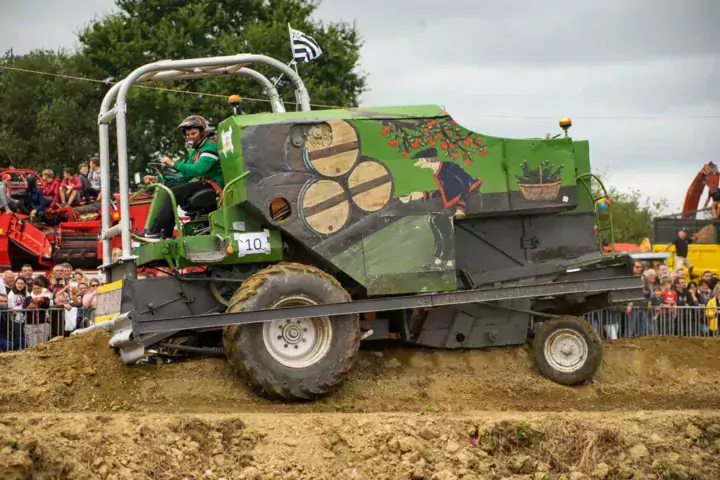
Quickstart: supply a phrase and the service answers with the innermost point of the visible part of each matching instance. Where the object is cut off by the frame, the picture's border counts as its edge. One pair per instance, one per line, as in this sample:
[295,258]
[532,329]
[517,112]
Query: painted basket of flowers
[542,183]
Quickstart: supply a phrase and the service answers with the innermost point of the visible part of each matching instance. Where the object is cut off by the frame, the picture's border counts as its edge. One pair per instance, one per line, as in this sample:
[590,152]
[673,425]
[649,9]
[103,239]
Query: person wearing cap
[7,203]
[681,244]
[202,162]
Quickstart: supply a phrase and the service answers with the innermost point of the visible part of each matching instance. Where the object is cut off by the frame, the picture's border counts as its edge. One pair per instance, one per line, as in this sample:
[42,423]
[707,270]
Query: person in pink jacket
[70,187]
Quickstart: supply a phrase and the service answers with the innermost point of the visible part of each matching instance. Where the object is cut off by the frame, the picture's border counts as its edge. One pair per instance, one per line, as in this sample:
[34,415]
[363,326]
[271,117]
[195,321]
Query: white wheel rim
[297,342]
[566,350]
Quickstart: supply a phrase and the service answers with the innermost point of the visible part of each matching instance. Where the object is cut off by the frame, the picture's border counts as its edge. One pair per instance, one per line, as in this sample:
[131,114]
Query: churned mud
[71,409]
[83,374]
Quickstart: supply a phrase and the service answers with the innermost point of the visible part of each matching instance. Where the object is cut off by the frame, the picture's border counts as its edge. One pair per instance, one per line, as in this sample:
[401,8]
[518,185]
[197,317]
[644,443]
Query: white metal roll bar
[159,71]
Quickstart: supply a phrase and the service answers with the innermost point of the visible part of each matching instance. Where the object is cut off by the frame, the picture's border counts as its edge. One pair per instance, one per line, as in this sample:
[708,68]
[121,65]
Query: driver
[203,162]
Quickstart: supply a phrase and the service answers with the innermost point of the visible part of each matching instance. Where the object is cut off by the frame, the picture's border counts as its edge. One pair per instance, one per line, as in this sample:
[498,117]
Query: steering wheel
[161,170]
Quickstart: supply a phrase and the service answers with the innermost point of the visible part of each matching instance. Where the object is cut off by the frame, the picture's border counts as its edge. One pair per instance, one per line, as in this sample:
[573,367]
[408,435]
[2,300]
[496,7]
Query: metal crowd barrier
[616,322]
[27,328]
[21,329]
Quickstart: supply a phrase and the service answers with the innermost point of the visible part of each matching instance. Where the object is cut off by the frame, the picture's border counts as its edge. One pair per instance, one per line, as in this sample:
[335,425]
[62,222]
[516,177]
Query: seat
[202,202]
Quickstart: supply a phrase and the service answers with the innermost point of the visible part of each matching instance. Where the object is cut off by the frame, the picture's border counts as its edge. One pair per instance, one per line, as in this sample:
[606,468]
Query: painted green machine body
[336,227]
[366,186]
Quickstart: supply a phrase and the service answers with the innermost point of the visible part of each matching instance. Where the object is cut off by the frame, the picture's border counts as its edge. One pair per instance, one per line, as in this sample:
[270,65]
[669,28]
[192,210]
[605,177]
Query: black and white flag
[304,47]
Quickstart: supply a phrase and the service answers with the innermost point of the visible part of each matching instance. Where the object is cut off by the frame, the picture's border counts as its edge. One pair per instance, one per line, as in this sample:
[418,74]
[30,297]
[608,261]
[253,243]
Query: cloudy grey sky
[513,68]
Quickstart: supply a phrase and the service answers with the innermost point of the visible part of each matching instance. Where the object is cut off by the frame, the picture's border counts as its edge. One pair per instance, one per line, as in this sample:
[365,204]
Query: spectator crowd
[71,190]
[671,306]
[35,308]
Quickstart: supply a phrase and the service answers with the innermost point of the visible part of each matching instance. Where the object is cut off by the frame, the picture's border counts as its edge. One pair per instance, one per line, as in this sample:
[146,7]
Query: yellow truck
[704,251]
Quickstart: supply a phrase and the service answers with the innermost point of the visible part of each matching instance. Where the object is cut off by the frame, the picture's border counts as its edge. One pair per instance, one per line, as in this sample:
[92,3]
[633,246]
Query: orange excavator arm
[694,193]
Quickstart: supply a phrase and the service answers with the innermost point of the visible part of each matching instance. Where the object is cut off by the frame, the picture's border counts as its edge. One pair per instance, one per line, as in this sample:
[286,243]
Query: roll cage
[114,106]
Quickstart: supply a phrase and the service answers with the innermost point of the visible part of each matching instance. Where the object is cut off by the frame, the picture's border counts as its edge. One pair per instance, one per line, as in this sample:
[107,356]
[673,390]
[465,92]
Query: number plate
[254,243]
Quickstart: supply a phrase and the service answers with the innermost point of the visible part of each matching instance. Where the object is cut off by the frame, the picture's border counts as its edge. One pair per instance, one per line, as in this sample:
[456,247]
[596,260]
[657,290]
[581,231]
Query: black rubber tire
[245,348]
[582,328]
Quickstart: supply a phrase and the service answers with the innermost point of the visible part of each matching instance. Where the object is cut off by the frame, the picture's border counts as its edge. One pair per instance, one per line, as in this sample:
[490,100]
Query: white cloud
[658,155]
[520,58]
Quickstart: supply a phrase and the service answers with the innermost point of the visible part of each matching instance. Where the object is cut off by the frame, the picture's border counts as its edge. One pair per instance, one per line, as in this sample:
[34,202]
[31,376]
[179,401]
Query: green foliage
[52,122]
[668,472]
[150,30]
[632,212]
[47,121]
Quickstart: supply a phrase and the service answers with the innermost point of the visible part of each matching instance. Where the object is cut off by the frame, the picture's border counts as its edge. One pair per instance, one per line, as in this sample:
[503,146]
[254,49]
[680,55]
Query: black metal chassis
[491,315]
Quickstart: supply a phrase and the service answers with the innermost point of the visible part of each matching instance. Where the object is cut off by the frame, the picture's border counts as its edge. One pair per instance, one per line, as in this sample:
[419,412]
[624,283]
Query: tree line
[51,122]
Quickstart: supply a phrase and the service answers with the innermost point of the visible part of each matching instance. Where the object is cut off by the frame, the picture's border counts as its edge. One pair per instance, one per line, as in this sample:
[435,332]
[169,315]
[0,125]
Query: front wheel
[567,350]
[297,358]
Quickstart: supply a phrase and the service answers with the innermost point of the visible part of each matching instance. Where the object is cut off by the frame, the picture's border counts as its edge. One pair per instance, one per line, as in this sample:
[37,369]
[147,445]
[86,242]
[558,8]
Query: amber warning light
[234,101]
[565,123]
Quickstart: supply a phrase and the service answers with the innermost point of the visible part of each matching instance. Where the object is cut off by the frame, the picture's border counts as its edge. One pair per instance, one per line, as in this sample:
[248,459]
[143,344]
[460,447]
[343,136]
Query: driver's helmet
[195,121]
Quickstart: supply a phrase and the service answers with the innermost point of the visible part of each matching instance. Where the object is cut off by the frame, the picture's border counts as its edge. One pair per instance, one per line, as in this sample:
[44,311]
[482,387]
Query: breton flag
[304,47]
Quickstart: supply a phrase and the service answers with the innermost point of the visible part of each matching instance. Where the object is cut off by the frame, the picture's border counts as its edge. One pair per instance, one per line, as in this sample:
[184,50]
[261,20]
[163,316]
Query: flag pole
[292,52]
[282,74]
[294,64]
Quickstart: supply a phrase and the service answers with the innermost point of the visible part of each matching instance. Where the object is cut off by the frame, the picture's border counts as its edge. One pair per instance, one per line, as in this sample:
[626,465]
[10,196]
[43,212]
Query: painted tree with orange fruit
[456,143]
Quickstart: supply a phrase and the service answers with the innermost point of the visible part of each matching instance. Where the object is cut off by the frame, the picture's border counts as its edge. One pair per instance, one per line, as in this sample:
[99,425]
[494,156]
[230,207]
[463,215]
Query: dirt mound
[82,373]
[96,418]
[668,445]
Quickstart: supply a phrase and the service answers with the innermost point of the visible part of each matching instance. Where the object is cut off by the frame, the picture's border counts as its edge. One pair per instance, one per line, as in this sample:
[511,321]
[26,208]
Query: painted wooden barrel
[371,185]
[324,206]
[331,148]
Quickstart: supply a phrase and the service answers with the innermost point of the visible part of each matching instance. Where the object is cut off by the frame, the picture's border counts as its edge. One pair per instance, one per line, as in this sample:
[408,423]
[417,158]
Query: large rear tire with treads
[294,359]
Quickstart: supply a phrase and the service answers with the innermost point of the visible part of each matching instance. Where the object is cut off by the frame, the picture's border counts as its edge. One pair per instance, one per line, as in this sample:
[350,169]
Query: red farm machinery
[66,234]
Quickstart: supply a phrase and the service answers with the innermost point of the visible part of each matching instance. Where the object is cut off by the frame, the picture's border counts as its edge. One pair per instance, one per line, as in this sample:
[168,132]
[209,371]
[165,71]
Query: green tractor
[337,227]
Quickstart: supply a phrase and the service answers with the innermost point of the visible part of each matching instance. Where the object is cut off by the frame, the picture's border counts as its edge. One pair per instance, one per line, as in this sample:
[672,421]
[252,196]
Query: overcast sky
[493,64]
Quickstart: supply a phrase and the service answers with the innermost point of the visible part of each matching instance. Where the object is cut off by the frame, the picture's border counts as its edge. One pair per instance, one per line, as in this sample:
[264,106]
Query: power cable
[162,89]
[252,99]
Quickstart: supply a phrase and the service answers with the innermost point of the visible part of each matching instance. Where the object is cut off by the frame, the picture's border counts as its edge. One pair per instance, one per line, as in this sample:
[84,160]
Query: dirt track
[368,446]
[84,374]
[71,409]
